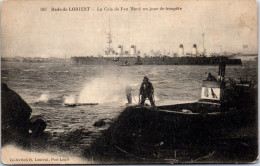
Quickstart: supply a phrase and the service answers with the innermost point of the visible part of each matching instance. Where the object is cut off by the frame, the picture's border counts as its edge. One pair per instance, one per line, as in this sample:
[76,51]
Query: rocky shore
[146,136]
[143,136]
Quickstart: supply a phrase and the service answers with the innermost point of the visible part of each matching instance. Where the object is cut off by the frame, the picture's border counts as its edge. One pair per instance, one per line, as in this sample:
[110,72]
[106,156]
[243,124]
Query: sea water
[47,87]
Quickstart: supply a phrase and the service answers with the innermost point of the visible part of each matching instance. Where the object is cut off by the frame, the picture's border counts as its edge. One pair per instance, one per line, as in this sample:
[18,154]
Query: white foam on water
[71,99]
[107,89]
[135,99]
[43,98]
[27,70]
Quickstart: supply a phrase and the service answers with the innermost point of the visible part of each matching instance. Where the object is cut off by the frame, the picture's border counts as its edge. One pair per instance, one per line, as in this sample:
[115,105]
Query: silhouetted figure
[147,91]
[221,70]
[211,77]
[128,92]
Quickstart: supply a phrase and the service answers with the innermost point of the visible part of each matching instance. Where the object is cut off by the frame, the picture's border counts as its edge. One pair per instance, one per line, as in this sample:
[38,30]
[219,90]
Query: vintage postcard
[129,82]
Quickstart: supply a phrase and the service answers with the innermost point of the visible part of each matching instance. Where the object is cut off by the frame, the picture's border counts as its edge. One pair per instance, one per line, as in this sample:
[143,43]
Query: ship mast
[109,36]
[203,34]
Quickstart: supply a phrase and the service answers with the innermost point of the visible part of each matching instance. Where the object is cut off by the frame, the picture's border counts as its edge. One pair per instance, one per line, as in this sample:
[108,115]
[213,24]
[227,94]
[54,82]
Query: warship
[134,57]
[162,60]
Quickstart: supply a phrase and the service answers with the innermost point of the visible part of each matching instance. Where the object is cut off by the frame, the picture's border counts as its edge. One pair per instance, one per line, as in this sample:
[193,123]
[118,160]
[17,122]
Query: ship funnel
[181,50]
[194,50]
[133,50]
[120,50]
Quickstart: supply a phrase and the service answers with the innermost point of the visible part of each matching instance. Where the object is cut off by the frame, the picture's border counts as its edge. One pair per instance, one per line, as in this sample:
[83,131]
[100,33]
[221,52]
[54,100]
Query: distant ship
[164,60]
[134,57]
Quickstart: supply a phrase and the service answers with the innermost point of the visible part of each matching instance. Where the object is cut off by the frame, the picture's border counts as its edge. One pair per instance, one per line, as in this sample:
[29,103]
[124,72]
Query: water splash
[43,98]
[106,89]
[70,99]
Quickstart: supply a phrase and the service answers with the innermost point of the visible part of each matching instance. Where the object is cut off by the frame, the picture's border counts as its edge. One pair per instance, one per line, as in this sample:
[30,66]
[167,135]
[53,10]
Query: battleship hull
[164,60]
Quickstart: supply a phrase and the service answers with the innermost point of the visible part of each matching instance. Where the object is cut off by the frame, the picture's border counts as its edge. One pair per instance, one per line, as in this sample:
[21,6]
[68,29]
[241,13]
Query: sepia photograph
[129,82]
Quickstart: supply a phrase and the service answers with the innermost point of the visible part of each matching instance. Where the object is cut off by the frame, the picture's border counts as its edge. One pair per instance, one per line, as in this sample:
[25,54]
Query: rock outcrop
[16,121]
[15,114]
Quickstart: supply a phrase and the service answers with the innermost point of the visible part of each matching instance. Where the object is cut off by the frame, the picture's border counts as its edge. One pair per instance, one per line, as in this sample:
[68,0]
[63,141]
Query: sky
[27,31]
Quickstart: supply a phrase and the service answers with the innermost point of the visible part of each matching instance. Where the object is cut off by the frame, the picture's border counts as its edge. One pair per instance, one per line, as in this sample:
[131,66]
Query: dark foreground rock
[99,123]
[148,136]
[15,115]
[16,121]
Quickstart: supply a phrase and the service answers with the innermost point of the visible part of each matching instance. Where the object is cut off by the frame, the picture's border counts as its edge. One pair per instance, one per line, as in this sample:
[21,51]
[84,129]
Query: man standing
[146,91]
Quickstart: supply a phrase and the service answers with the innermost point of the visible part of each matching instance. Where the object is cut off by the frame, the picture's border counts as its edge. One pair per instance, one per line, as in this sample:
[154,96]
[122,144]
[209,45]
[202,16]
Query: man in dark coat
[147,91]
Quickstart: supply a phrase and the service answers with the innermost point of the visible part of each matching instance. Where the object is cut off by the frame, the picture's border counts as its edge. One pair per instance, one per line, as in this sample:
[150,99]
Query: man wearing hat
[146,91]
